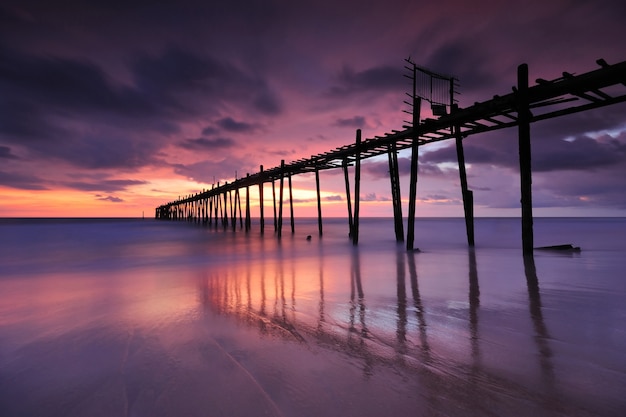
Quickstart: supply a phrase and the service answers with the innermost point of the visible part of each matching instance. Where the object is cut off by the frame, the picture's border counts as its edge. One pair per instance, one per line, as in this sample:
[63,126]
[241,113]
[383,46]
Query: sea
[145,317]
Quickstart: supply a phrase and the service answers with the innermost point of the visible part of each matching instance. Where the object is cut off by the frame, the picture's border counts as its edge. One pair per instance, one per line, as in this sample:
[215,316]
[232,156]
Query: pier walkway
[526,104]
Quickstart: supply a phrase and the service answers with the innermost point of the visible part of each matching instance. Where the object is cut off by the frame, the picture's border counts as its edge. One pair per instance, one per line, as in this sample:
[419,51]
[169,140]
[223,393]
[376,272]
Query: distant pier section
[526,104]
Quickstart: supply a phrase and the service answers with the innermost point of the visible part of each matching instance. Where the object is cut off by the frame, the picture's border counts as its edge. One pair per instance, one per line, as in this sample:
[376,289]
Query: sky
[112,108]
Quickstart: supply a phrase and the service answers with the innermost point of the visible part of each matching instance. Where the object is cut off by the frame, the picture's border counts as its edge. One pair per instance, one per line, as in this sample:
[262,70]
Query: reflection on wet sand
[419,309]
[542,336]
[360,325]
[474,304]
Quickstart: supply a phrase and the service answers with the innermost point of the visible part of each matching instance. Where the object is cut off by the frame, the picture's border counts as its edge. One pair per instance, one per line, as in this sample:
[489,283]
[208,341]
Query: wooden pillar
[247,206]
[523,120]
[396,197]
[233,219]
[280,198]
[410,235]
[218,207]
[357,189]
[225,208]
[348,196]
[261,219]
[293,225]
[274,202]
[216,203]
[319,201]
[238,203]
[211,208]
[466,193]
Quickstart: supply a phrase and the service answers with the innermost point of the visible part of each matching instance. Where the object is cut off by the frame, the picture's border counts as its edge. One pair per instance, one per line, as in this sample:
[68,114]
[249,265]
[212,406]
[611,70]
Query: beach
[134,317]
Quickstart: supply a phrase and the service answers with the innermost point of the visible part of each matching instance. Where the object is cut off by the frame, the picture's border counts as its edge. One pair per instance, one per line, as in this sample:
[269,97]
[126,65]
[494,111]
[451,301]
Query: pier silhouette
[520,108]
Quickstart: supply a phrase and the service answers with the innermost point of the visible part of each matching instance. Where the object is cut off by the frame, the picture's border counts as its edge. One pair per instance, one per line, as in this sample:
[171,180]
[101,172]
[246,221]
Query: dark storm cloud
[207,171]
[58,83]
[373,197]
[23,122]
[110,198]
[383,78]
[354,122]
[43,96]
[335,197]
[180,78]
[380,169]
[5,153]
[549,153]
[231,125]
[107,186]
[21,181]
[459,59]
[209,130]
[207,144]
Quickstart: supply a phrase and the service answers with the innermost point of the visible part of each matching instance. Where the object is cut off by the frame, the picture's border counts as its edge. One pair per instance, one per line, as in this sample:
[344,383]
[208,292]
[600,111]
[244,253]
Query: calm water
[154,318]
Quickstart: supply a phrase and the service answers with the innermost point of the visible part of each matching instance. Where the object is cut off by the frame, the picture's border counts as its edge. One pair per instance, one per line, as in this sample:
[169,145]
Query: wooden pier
[523,106]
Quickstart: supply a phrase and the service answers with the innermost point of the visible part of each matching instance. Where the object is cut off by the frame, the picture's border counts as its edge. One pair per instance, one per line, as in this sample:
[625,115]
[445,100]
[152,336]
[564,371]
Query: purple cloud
[207,144]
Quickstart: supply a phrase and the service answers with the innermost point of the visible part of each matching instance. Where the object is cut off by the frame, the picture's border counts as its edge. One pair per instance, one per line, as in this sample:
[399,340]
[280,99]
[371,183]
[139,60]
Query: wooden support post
[211,208]
[216,203]
[394,176]
[466,193]
[218,208]
[293,225]
[225,211]
[523,122]
[344,165]
[357,189]
[261,219]
[280,198]
[319,201]
[247,206]
[233,212]
[238,202]
[410,235]
[274,202]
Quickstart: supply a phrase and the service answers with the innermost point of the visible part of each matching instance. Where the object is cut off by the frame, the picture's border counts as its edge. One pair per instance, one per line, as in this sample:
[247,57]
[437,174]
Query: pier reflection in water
[359,305]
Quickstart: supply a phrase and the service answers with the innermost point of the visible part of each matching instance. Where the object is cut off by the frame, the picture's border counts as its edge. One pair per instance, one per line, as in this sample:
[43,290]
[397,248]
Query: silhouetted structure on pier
[525,105]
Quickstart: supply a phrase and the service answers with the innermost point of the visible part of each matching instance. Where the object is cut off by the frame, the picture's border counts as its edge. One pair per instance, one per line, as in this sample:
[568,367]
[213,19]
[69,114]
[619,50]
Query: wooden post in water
[280,197]
[247,206]
[262,219]
[394,176]
[238,202]
[410,234]
[233,209]
[216,204]
[357,189]
[293,225]
[225,211]
[344,165]
[319,200]
[218,207]
[523,121]
[274,202]
[466,193]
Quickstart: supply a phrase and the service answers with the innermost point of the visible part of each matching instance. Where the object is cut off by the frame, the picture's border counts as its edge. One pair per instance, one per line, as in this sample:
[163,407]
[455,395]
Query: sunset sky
[111,108]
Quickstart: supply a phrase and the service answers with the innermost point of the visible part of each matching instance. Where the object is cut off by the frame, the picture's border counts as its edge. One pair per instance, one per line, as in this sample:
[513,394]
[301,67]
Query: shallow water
[148,318]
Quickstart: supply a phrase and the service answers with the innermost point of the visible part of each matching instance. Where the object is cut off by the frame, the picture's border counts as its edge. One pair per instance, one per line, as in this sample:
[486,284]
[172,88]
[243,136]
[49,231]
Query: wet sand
[214,323]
